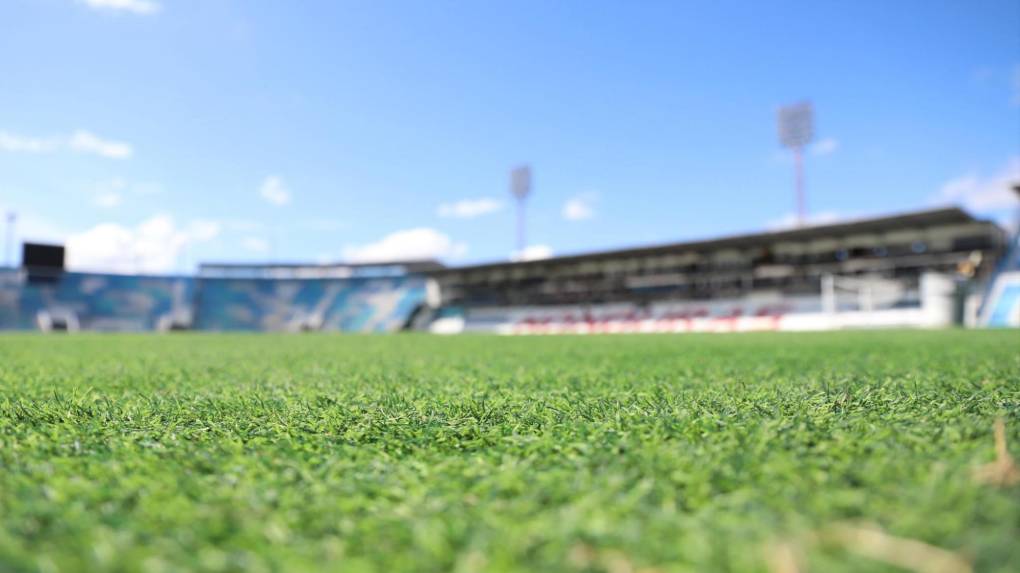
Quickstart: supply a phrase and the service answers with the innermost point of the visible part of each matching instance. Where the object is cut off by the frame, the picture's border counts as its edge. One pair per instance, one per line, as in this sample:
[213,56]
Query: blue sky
[154,134]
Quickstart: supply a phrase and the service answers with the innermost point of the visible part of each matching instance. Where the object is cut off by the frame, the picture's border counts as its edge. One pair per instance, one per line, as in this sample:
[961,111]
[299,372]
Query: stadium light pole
[796,130]
[12,218]
[798,162]
[1016,223]
[520,188]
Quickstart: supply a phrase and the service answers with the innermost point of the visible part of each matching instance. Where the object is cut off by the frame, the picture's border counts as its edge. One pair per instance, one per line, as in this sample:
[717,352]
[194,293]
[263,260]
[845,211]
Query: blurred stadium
[924,269]
[511,286]
[932,268]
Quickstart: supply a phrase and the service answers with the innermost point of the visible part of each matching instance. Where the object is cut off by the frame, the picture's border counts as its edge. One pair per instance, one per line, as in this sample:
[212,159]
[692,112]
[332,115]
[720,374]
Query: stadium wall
[930,306]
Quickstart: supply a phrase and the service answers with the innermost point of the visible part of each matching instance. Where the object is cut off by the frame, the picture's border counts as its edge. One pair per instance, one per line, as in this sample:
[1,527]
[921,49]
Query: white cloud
[579,207]
[983,194]
[532,253]
[14,143]
[133,6]
[86,142]
[417,244]
[789,220]
[824,146]
[153,246]
[255,244]
[80,141]
[469,208]
[275,191]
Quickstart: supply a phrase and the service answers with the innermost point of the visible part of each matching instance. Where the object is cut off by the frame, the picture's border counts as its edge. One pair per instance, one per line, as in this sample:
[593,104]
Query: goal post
[864,294]
[878,301]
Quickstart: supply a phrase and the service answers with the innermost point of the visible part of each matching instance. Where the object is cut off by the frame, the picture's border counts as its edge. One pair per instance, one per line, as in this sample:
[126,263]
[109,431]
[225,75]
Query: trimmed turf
[401,453]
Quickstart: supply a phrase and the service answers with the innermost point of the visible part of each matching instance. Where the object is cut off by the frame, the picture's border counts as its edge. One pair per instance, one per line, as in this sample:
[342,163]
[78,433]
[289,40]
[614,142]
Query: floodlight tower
[520,188]
[1016,191]
[796,130]
[12,218]
[1016,223]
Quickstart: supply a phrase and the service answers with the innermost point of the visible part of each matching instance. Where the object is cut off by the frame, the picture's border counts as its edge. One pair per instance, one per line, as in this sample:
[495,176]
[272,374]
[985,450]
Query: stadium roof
[927,218]
[410,266]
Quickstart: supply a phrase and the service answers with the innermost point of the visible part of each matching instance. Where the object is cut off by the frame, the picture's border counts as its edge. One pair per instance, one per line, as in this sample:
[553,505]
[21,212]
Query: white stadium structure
[930,268]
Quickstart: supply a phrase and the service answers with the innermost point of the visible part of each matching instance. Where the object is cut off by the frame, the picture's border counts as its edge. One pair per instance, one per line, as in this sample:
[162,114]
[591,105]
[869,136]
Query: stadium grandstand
[922,269]
[290,298]
[911,270]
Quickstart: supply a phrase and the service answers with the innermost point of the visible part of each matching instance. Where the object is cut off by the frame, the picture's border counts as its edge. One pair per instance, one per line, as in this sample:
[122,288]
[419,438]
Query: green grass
[401,453]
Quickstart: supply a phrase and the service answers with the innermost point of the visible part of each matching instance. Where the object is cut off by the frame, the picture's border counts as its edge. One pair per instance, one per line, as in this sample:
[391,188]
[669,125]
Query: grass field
[401,453]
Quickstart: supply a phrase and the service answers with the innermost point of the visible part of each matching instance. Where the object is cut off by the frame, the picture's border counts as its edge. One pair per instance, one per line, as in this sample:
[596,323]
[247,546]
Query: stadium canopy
[304,270]
[916,219]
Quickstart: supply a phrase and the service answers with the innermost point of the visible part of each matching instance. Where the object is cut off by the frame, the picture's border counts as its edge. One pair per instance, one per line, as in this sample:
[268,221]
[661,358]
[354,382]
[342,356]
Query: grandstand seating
[93,301]
[1005,307]
[763,311]
[107,302]
[10,296]
[706,316]
[352,305]
[1001,301]
[906,270]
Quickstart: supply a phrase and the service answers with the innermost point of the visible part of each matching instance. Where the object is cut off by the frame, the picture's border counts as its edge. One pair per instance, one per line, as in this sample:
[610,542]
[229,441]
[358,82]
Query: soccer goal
[862,293]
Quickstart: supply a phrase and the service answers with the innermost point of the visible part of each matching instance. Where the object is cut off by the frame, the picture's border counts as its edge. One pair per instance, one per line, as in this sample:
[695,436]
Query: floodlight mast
[12,218]
[798,163]
[796,130]
[520,188]
[1016,224]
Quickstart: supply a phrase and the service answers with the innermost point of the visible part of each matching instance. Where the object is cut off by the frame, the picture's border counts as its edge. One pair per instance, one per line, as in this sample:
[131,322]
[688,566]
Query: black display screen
[40,256]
